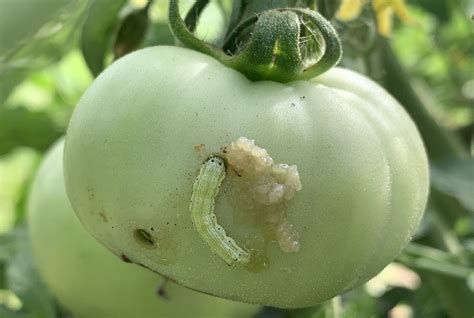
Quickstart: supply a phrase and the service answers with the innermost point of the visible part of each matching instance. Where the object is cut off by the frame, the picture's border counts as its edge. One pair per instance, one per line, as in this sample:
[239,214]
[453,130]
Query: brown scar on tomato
[237,173]
[103,216]
[200,150]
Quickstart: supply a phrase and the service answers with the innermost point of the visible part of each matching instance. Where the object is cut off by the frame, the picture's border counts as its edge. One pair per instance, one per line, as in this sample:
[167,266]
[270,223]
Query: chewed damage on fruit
[263,188]
[158,238]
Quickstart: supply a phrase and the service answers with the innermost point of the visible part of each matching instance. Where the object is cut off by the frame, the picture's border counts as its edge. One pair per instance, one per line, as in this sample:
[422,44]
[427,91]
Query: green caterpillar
[205,190]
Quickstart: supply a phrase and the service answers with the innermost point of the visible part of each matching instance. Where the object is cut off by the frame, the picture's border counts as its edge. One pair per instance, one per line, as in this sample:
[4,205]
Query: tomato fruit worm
[205,190]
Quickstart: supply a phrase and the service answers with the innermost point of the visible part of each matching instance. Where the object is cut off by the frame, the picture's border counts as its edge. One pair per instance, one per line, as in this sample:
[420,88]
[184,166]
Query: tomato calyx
[285,44]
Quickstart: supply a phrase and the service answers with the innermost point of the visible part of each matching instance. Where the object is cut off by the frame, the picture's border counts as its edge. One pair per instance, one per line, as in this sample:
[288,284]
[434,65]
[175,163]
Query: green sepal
[286,44]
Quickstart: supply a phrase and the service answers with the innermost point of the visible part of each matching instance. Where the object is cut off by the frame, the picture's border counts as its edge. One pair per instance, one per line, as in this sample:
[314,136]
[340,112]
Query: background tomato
[131,161]
[90,281]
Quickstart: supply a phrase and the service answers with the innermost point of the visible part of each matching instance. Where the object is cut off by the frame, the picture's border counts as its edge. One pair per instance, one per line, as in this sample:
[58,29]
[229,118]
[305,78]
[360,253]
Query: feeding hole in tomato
[144,238]
[264,189]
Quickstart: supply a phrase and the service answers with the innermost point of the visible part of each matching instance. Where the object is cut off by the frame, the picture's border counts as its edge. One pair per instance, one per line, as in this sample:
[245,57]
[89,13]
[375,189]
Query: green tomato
[131,162]
[89,280]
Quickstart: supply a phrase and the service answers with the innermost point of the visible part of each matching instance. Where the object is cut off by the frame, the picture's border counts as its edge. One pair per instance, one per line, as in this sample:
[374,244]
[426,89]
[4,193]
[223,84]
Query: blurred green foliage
[21,277]
[43,77]
[437,52]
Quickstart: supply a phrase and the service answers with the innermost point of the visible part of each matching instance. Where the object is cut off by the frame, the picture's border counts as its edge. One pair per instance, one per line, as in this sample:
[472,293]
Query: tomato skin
[89,280]
[130,152]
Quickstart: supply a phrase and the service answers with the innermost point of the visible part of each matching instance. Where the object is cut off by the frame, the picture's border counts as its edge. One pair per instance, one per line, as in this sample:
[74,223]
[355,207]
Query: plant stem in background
[439,143]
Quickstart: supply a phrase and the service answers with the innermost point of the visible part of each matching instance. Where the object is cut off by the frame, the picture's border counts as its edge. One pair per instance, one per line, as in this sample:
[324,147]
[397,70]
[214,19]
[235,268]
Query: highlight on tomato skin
[131,154]
[91,282]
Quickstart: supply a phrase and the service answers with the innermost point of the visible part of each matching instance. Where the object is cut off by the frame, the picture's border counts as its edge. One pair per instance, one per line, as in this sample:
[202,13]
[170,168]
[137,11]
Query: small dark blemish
[152,228]
[125,258]
[90,190]
[200,148]
[103,216]
[144,238]
[161,290]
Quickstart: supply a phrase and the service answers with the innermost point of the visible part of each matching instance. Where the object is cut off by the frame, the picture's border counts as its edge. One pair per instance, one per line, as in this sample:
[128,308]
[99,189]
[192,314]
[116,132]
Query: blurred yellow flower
[384,10]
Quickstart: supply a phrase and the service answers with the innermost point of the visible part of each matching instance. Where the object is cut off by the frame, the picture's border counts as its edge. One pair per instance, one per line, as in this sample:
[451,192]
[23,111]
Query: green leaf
[98,31]
[22,127]
[7,248]
[433,260]
[270,312]
[359,303]
[132,31]
[455,177]
[22,20]
[328,8]
[309,312]
[49,43]
[470,282]
[392,298]
[158,34]
[23,281]
[10,78]
[454,294]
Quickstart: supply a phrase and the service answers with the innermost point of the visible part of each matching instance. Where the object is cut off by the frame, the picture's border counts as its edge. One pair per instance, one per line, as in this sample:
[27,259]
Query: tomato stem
[434,260]
[283,44]
[183,34]
[439,143]
[193,15]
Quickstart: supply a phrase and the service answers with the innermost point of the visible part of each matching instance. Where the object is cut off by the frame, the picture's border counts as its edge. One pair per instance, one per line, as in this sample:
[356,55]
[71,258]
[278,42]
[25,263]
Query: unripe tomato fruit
[131,155]
[89,280]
